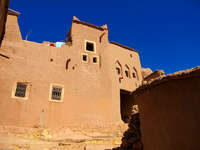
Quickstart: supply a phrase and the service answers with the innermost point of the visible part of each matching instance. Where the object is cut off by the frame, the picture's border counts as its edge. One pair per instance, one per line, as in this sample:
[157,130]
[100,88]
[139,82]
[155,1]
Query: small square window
[21,90]
[95,60]
[85,57]
[56,93]
[90,46]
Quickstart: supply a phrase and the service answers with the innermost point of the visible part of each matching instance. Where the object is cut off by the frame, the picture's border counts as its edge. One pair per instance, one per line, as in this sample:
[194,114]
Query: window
[95,59]
[127,73]
[90,46]
[84,57]
[21,89]
[57,92]
[118,70]
[134,76]
[135,73]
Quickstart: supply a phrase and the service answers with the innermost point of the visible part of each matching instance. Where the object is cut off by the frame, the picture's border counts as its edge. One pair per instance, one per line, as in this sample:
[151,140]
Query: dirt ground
[70,138]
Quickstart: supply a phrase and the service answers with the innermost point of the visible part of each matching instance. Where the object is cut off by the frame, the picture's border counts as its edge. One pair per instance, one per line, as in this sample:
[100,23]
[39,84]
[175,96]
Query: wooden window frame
[50,93]
[26,92]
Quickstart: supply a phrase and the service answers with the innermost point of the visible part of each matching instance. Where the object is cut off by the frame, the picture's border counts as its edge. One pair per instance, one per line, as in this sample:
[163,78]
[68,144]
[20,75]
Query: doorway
[126,103]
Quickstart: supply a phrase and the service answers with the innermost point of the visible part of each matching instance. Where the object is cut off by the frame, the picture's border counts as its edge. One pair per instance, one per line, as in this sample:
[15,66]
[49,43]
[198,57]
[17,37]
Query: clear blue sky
[165,32]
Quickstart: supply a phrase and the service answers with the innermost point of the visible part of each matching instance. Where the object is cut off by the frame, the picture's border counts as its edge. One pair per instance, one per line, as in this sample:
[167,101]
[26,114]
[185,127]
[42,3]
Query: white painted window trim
[86,45]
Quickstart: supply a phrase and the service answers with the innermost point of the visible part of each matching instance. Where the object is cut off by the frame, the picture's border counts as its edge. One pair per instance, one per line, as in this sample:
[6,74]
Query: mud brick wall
[169,112]
[3,15]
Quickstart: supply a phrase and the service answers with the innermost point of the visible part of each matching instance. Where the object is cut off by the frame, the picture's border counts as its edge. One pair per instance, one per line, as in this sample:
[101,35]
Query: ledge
[123,46]
[13,12]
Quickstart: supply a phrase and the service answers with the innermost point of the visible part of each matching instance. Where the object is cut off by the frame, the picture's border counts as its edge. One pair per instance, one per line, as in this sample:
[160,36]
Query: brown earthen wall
[3,15]
[91,91]
[169,113]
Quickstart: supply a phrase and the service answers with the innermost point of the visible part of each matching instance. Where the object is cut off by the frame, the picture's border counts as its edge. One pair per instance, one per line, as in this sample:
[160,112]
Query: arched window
[119,72]
[127,71]
[118,68]
[135,73]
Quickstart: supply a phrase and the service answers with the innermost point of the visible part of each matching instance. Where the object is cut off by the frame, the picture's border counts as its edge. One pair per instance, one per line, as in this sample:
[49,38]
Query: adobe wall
[119,57]
[3,15]
[84,91]
[91,94]
[169,111]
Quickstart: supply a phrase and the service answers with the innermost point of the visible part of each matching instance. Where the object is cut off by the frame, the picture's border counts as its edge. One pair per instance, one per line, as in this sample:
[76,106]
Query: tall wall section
[3,15]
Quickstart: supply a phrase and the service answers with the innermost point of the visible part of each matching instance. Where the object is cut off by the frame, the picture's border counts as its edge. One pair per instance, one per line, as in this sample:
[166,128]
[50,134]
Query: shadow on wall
[126,105]
[169,111]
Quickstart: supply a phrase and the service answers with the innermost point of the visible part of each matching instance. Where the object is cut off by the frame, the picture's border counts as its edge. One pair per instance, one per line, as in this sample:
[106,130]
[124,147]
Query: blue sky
[165,32]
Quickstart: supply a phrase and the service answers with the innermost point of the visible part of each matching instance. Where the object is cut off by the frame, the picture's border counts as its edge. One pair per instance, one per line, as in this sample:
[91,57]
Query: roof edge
[13,12]
[102,28]
[123,46]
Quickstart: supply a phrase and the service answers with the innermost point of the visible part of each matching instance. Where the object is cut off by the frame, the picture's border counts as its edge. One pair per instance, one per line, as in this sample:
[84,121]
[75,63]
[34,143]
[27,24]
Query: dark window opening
[94,59]
[56,93]
[90,46]
[84,57]
[127,73]
[134,76]
[67,64]
[118,70]
[20,90]
[136,73]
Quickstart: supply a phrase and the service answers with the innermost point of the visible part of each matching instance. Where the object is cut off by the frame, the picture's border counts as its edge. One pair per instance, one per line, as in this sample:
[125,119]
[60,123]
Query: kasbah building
[85,81]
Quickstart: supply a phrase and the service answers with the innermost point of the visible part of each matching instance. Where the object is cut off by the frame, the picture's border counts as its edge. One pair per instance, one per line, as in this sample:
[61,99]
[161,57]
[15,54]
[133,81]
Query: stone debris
[132,137]
[146,72]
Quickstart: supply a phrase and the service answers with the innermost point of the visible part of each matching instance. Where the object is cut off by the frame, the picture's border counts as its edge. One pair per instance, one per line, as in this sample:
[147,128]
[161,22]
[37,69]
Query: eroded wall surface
[169,112]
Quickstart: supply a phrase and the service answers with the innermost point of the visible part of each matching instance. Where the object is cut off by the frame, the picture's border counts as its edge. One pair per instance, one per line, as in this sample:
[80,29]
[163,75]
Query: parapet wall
[169,111]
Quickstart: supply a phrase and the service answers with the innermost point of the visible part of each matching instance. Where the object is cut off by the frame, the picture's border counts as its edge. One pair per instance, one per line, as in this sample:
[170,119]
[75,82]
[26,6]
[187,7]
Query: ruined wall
[154,75]
[169,111]
[3,15]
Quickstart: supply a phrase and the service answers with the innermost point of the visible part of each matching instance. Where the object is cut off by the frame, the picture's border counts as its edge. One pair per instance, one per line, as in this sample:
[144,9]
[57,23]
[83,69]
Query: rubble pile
[132,137]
